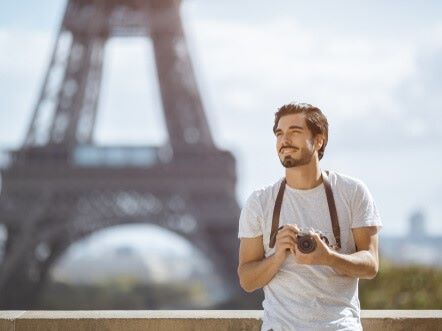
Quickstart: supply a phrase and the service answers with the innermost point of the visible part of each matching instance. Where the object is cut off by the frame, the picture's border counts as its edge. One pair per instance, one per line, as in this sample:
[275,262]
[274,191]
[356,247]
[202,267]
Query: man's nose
[285,140]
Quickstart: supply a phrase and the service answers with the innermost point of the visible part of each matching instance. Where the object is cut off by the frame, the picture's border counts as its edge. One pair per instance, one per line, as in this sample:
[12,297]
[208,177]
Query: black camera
[307,243]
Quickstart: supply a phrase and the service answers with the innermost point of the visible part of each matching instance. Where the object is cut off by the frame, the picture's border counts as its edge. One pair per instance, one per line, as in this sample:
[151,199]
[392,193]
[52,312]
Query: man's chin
[289,163]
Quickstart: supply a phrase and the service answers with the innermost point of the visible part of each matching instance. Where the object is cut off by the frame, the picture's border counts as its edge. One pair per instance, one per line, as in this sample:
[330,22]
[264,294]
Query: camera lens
[306,244]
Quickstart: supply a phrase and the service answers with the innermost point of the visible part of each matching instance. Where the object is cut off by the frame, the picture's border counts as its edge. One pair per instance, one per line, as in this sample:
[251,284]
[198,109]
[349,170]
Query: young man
[317,290]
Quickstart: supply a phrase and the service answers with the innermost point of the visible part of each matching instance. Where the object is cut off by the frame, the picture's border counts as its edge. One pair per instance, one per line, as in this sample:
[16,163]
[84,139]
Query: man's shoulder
[344,181]
[266,193]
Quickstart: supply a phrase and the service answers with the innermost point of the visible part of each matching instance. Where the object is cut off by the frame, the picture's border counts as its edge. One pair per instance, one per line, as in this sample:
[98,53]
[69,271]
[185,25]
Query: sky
[373,67]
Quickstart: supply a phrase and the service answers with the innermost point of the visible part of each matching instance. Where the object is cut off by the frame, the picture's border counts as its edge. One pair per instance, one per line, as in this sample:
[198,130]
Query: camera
[307,243]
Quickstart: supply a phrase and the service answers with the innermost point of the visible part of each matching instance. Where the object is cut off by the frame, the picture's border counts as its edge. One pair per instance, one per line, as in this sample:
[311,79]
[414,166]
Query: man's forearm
[255,275]
[361,264]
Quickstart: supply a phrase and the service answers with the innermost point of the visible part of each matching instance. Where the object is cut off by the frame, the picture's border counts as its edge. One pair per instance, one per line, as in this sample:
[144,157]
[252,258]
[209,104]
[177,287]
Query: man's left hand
[321,255]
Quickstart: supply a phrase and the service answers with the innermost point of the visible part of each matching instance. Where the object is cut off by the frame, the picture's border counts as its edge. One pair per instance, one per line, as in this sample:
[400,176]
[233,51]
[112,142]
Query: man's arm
[365,262]
[254,269]
[362,264]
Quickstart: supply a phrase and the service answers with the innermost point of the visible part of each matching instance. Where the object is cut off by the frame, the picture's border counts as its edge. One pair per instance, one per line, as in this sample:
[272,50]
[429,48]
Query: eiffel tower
[60,187]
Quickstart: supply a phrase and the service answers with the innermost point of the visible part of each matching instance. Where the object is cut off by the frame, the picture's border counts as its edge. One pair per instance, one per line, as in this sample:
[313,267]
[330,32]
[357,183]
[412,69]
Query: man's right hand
[286,241]
[254,269]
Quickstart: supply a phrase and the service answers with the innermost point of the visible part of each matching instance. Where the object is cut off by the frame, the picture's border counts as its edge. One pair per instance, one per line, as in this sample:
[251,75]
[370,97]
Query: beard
[291,162]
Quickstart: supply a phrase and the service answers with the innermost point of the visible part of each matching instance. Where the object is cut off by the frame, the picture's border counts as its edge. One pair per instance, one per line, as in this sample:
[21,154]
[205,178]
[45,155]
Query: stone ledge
[169,320]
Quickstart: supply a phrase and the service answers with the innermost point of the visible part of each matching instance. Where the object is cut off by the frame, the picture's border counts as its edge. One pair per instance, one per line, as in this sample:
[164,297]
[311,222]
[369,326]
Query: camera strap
[331,208]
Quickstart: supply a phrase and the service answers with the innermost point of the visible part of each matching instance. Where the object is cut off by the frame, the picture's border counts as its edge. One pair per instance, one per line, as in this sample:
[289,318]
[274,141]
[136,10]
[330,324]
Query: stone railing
[196,320]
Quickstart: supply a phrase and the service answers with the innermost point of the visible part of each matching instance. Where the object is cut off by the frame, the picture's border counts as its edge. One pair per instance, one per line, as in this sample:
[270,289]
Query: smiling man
[308,238]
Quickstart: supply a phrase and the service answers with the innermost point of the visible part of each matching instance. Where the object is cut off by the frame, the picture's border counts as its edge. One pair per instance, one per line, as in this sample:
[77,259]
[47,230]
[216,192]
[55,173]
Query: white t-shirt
[304,297]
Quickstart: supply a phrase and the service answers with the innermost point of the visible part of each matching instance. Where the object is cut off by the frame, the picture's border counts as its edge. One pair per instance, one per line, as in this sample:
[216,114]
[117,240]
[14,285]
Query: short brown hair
[316,121]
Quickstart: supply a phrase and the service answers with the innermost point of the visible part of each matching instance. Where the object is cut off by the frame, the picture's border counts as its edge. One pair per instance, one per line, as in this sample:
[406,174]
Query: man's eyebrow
[293,127]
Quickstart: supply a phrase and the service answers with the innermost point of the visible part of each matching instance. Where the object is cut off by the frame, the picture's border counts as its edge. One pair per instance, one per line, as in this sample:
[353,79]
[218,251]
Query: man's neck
[304,177]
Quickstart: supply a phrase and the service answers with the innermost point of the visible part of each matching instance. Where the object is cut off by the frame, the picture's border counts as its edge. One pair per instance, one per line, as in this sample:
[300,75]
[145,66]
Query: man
[317,290]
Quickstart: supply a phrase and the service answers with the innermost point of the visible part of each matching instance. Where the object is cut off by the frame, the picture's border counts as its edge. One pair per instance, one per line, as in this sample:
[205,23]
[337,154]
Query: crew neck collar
[305,191]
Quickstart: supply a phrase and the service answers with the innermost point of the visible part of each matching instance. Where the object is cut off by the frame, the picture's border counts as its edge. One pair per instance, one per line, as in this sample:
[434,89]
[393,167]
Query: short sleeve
[364,210]
[250,220]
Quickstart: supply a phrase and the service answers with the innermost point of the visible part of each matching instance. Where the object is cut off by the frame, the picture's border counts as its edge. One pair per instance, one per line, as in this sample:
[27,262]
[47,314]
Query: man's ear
[319,141]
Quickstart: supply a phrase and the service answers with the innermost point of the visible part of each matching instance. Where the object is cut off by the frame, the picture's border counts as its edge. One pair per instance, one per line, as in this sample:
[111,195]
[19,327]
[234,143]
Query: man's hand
[286,241]
[321,255]
[364,263]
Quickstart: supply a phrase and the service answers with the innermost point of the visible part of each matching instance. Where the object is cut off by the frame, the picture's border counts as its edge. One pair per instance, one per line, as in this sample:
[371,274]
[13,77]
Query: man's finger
[287,234]
[289,229]
[287,241]
[293,227]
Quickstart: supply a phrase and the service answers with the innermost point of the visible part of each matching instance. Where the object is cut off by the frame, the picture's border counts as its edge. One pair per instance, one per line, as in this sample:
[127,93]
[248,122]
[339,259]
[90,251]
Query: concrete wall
[196,320]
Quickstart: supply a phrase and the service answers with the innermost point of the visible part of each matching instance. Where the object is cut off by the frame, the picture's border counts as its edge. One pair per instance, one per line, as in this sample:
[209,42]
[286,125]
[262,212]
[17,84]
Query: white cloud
[22,69]
[278,61]
[130,96]
[23,51]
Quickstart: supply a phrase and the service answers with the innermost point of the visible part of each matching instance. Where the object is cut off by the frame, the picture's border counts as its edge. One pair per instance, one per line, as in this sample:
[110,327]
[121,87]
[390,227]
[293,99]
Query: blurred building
[417,247]
[59,186]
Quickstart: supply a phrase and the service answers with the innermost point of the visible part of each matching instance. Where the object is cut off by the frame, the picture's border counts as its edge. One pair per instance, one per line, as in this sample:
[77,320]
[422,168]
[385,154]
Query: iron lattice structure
[60,187]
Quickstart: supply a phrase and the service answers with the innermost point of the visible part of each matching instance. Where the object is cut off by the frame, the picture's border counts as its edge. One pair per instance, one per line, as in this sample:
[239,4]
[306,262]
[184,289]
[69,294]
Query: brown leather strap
[276,213]
[331,208]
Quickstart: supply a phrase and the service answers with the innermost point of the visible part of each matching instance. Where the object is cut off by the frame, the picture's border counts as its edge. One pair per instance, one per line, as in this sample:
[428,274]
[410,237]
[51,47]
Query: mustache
[288,146]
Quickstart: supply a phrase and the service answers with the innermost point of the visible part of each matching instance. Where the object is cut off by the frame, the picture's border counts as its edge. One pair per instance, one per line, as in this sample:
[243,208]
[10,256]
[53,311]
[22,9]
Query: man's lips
[284,149]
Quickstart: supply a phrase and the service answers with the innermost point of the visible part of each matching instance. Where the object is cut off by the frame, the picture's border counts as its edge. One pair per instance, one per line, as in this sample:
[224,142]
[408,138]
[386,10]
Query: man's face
[295,143]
